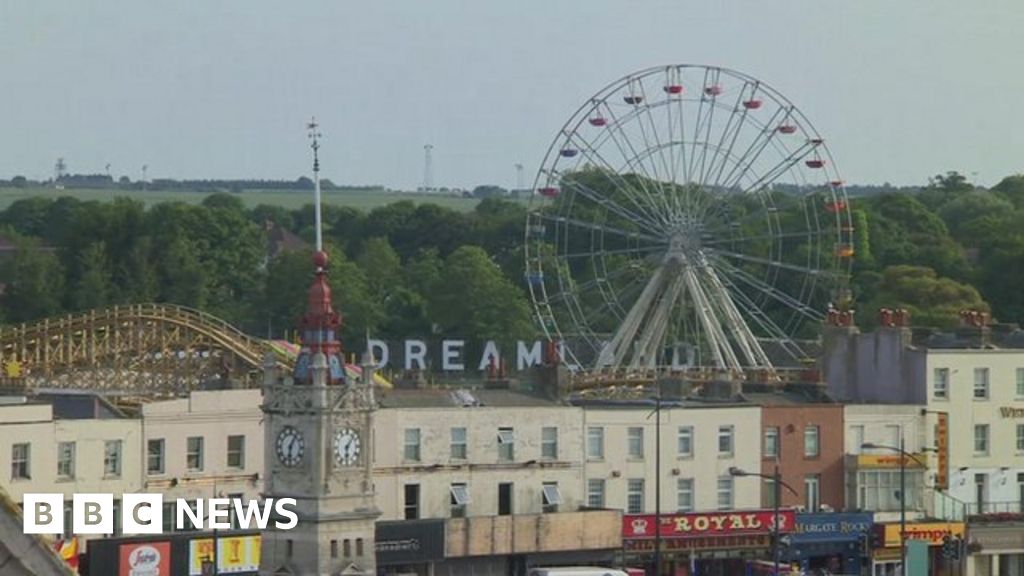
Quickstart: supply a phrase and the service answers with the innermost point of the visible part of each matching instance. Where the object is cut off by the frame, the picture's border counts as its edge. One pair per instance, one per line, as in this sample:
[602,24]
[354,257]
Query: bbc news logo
[144,514]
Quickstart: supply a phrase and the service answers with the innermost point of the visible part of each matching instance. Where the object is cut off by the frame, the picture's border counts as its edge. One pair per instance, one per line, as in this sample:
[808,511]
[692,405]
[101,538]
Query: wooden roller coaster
[134,350]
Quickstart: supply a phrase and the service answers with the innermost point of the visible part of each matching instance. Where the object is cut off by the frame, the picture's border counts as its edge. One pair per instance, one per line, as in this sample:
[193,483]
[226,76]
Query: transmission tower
[428,168]
[519,176]
[59,170]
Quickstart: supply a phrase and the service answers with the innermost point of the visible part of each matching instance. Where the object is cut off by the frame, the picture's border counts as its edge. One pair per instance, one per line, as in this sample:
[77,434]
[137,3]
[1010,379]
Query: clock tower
[318,427]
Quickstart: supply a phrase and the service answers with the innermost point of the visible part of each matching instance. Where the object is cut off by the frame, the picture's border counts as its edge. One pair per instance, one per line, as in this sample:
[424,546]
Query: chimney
[974,328]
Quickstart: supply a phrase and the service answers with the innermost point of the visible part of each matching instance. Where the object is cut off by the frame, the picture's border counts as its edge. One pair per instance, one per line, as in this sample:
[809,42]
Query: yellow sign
[931,532]
[890,461]
[235,554]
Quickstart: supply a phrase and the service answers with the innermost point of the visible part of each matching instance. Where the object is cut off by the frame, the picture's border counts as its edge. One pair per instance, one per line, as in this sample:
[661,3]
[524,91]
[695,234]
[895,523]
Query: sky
[900,90]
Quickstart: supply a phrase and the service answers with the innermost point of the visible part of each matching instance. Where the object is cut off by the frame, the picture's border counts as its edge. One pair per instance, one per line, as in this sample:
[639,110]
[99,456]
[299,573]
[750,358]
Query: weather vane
[315,135]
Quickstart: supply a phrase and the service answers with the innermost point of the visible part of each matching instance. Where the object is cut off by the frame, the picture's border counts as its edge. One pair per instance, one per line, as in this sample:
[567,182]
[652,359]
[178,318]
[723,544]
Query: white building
[699,443]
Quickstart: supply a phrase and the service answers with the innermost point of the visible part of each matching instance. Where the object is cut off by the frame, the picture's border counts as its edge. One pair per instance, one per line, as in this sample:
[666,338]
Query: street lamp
[777,485]
[903,493]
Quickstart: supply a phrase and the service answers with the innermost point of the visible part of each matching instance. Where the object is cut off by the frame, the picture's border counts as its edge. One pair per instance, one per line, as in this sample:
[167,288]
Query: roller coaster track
[137,349]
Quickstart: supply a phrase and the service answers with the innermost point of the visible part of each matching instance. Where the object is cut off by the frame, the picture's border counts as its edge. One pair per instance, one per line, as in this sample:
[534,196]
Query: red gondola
[568,152]
[816,141]
[548,191]
[835,206]
[752,104]
[844,251]
[673,88]
[786,128]
[836,183]
[598,121]
[815,163]
[633,99]
[713,90]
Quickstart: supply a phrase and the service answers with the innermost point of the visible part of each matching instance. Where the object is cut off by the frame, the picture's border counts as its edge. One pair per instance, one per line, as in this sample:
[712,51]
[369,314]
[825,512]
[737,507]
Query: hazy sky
[900,89]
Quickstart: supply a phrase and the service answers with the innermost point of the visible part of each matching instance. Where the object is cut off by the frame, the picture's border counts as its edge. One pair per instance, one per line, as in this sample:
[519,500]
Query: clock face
[346,447]
[290,446]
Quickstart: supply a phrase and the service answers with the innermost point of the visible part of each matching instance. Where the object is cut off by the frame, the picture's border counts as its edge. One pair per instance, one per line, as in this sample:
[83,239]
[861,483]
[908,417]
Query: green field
[361,199]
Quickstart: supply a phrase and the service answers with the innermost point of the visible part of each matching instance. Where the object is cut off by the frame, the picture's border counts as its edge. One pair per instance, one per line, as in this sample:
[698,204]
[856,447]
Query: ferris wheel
[686,216]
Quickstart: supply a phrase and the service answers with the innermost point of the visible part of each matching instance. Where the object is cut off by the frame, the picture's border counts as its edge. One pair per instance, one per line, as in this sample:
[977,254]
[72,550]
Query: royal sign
[707,524]
[891,460]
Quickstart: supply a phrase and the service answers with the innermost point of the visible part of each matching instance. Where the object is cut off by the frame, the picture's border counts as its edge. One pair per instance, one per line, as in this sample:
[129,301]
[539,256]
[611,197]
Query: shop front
[409,546]
[834,543]
[885,558]
[702,544]
[995,548]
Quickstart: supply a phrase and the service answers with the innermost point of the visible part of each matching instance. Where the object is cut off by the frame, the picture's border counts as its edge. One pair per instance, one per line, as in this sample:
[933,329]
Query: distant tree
[94,286]
[1011,188]
[225,201]
[966,207]
[489,191]
[931,299]
[19,182]
[35,283]
[479,301]
[383,268]
[184,280]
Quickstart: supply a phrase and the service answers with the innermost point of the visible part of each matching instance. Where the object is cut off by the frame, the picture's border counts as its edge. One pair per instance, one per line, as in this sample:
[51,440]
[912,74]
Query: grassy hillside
[362,199]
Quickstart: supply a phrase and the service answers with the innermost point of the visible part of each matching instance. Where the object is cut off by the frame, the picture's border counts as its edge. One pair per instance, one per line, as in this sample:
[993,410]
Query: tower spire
[321,324]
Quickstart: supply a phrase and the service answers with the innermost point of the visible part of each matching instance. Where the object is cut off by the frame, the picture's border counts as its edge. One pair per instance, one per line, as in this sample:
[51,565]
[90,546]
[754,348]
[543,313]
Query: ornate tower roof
[320,328]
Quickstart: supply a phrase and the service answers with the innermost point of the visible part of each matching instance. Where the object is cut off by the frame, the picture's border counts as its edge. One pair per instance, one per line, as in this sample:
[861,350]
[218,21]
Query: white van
[577,571]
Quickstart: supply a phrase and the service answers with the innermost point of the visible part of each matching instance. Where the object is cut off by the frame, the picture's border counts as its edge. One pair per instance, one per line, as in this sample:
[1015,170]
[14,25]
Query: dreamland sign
[457,355]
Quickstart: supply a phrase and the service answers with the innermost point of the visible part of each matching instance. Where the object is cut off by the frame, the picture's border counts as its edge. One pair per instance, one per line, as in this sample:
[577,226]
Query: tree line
[407,270]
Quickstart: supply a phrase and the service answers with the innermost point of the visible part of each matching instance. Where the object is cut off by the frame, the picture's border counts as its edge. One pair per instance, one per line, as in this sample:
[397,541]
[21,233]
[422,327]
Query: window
[981,438]
[940,386]
[685,442]
[359,546]
[506,444]
[725,493]
[878,490]
[504,498]
[980,483]
[155,456]
[595,443]
[194,454]
[857,436]
[20,454]
[893,434]
[635,496]
[459,499]
[112,458]
[769,493]
[549,443]
[811,447]
[551,497]
[981,383]
[595,492]
[236,451]
[347,544]
[65,460]
[458,444]
[1020,490]
[684,495]
[334,548]
[1020,437]
[1020,382]
[771,442]
[412,501]
[412,445]
[635,443]
[812,492]
[725,440]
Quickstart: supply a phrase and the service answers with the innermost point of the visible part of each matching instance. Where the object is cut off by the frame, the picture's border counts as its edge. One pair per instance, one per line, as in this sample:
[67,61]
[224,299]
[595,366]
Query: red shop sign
[706,523]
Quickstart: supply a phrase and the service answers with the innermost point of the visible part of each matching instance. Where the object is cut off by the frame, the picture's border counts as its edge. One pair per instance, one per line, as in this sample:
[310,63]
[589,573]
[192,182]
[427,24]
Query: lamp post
[904,455]
[657,482]
[777,485]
